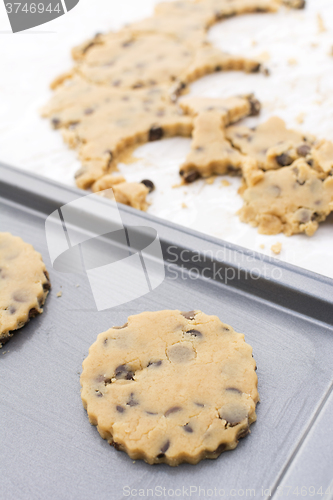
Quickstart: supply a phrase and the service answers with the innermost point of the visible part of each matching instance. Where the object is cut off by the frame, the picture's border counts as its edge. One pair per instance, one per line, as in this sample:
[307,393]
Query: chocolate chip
[181,353]
[242,433]
[303,215]
[218,68]
[137,85]
[234,414]
[164,448]
[155,363]
[232,170]
[303,150]
[20,296]
[151,413]
[116,445]
[149,184]
[122,372]
[120,409]
[89,111]
[187,428]
[116,83]
[284,160]
[199,148]
[132,401]
[99,394]
[233,389]
[310,163]
[222,447]
[256,68]
[47,286]
[255,106]
[194,333]
[56,122]
[120,327]
[300,5]
[128,43]
[189,314]
[301,183]
[201,405]
[173,409]
[180,87]
[107,381]
[33,312]
[12,309]
[155,133]
[190,176]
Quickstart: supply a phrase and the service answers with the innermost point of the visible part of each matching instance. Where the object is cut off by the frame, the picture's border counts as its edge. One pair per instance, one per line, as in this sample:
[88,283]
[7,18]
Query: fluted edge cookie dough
[24,284]
[171,387]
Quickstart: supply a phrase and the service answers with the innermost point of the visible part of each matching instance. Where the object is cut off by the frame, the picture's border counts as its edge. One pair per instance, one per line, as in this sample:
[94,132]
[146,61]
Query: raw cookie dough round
[171,387]
[24,284]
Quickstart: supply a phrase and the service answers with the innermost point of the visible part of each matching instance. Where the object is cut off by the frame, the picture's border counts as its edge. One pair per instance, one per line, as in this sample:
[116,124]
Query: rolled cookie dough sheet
[101,122]
[171,387]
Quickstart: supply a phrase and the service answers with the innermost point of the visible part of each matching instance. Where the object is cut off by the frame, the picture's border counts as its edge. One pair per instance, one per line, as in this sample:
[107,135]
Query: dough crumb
[225,183]
[321,25]
[59,294]
[210,180]
[77,286]
[184,205]
[300,118]
[262,246]
[292,61]
[276,248]
[264,56]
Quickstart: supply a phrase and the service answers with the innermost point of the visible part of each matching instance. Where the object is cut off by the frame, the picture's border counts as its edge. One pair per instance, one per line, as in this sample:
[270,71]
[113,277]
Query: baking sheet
[290,43]
[49,449]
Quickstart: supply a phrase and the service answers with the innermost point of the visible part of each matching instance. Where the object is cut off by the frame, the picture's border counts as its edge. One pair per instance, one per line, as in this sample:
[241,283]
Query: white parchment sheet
[294,45]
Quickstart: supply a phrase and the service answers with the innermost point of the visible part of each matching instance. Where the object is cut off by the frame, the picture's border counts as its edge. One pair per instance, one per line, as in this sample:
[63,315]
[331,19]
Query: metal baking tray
[48,449]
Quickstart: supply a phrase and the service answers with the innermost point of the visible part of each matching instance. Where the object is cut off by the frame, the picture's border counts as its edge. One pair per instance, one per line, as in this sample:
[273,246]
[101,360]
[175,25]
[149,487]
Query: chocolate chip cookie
[171,387]
[24,284]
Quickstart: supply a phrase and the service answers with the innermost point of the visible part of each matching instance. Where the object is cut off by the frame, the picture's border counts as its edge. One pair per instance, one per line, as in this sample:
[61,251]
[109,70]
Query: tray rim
[16,182]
